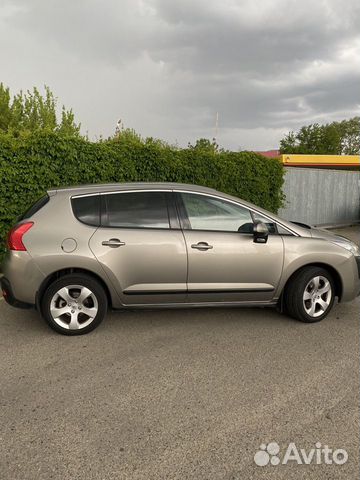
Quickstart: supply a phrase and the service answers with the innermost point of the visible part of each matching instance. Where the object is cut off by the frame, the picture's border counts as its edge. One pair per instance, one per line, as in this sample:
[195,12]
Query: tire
[65,313]
[310,294]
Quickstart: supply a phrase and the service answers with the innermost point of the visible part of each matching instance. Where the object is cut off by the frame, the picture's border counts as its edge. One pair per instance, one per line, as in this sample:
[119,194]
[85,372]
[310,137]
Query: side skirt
[271,303]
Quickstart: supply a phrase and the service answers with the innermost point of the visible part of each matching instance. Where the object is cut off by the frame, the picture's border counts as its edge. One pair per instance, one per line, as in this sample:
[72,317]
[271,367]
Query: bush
[31,164]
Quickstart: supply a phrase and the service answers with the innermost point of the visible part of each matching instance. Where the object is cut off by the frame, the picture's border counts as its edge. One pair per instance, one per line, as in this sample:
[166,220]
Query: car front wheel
[310,294]
[74,304]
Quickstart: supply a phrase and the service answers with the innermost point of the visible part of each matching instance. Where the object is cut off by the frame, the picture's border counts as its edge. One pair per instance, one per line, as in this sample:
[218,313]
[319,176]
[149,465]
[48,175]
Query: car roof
[107,187]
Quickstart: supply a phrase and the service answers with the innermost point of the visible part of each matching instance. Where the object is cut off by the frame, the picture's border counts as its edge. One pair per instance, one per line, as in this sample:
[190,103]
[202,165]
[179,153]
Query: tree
[350,136]
[205,145]
[336,138]
[5,109]
[32,111]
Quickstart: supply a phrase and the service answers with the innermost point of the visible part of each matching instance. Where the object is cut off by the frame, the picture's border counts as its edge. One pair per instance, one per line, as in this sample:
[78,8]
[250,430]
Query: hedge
[39,161]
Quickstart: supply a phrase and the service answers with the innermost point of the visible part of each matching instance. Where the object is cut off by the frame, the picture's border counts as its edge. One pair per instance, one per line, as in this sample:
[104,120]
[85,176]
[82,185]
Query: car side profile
[79,251]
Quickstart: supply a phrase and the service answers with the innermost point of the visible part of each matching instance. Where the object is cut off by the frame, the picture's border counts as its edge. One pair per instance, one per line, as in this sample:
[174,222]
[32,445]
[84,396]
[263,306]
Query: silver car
[79,251]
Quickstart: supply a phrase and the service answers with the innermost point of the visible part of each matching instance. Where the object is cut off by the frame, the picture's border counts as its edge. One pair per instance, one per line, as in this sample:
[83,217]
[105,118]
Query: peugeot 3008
[79,251]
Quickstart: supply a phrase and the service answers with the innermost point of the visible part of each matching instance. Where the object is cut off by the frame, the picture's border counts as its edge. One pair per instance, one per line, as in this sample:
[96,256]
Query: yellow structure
[325,161]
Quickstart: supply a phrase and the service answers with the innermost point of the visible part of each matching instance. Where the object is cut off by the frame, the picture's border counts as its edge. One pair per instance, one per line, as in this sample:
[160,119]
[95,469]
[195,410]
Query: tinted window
[35,208]
[87,209]
[209,213]
[282,231]
[137,210]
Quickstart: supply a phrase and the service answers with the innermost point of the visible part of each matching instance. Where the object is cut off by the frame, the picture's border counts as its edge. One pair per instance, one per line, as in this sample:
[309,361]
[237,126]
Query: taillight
[15,236]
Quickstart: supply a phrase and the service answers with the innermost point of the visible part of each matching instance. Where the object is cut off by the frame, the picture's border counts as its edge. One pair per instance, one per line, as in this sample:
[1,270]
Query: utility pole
[216,125]
[118,127]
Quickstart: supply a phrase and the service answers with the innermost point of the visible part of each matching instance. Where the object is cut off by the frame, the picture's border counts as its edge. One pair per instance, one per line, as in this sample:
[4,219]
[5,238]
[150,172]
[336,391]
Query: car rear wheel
[74,304]
[310,294]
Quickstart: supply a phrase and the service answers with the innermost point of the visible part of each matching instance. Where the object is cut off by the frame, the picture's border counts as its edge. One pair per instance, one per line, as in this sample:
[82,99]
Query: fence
[321,197]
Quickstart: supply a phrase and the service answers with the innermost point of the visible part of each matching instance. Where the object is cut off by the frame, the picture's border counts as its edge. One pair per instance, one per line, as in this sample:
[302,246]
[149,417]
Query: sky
[167,67]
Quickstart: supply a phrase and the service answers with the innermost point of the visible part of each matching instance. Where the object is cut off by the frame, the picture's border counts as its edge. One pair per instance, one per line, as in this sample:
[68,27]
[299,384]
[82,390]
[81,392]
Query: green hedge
[34,163]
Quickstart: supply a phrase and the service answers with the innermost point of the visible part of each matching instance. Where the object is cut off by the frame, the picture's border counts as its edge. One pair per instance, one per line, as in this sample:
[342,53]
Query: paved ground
[186,394]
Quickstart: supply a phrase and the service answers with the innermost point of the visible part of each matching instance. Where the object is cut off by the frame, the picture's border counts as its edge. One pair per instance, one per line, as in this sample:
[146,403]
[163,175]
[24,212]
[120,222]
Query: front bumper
[9,296]
[358,264]
[351,282]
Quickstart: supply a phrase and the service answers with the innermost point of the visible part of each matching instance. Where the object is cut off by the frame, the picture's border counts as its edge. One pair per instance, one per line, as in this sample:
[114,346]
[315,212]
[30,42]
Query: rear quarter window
[87,209]
[38,205]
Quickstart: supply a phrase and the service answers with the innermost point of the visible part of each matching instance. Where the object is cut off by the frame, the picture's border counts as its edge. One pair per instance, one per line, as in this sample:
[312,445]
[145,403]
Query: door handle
[113,243]
[202,246]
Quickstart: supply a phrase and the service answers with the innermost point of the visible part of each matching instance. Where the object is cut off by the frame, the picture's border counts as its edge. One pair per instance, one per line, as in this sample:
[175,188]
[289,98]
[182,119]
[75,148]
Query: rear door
[141,247]
[224,263]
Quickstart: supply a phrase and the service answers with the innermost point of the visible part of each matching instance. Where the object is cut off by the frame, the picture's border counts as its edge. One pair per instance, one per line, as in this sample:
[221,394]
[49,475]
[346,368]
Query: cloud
[166,67]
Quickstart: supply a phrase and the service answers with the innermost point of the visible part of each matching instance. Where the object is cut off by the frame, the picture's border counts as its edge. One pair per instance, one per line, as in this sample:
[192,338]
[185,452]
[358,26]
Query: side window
[282,231]
[271,225]
[210,213]
[87,209]
[137,210]
[34,208]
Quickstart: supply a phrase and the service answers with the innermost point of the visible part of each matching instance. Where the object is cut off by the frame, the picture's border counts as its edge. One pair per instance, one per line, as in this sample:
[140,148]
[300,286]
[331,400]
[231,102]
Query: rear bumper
[22,278]
[9,295]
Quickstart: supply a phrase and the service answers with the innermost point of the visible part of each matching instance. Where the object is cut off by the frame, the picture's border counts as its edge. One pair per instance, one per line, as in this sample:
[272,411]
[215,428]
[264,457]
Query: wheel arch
[333,272]
[66,271]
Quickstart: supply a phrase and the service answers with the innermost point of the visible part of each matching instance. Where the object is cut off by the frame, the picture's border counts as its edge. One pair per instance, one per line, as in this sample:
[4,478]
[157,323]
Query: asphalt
[178,394]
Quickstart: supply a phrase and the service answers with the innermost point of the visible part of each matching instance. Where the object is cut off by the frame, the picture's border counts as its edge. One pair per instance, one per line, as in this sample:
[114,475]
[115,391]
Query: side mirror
[261,232]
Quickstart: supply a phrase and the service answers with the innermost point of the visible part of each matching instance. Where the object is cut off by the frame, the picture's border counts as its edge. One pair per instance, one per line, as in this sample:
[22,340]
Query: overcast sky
[165,67]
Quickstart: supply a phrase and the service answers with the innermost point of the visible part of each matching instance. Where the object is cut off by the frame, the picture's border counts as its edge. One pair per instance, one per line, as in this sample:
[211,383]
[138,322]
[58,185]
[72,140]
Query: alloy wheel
[74,307]
[317,296]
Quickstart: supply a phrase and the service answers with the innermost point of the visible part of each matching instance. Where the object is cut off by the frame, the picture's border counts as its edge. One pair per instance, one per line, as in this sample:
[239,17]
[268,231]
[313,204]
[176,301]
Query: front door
[225,265]
[142,255]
